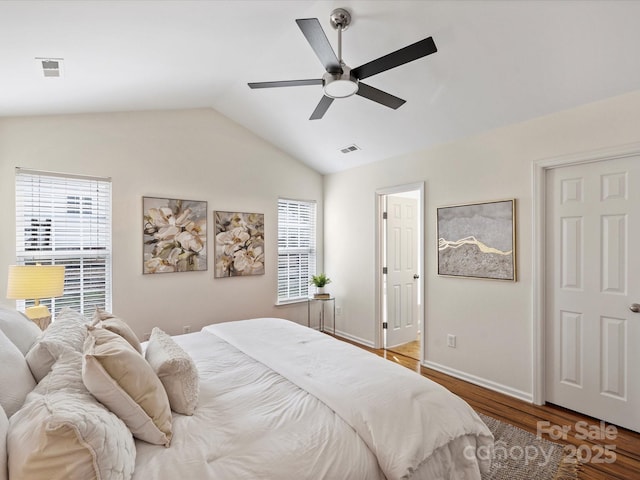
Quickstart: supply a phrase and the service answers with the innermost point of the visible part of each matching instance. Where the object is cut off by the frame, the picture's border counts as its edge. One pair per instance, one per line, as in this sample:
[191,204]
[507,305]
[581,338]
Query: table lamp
[33,282]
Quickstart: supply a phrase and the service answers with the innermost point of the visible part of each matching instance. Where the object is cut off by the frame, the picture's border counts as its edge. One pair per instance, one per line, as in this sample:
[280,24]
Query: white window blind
[296,248]
[66,220]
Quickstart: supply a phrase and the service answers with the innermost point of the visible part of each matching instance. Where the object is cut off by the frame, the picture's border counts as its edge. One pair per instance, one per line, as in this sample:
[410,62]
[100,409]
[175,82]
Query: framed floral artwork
[239,244]
[477,240]
[174,235]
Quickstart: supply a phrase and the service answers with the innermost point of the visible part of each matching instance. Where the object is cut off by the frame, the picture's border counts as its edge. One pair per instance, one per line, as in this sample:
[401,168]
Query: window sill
[284,303]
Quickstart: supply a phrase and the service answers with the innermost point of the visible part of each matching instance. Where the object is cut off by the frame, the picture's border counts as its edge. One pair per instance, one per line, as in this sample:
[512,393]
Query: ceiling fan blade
[322,107]
[286,83]
[318,40]
[383,98]
[395,59]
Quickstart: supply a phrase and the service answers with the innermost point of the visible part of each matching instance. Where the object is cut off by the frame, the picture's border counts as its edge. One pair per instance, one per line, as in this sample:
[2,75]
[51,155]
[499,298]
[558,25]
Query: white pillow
[67,332]
[19,329]
[125,383]
[4,426]
[176,371]
[16,380]
[115,324]
[63,432]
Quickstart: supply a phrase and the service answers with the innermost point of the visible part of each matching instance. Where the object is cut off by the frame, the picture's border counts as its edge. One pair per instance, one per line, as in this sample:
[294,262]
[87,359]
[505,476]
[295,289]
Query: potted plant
[320,281]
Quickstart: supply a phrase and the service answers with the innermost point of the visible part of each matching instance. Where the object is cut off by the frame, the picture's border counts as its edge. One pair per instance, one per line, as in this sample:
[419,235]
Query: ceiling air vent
[350,148]
[50,67]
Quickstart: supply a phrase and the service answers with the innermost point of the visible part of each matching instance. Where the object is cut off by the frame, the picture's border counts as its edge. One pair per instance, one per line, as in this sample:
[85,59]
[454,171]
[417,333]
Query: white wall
[492,319]
[201,155]
[192,154]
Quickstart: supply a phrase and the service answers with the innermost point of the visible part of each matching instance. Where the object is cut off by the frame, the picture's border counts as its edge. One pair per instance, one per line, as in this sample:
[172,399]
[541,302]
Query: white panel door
[593,280]
[402,270]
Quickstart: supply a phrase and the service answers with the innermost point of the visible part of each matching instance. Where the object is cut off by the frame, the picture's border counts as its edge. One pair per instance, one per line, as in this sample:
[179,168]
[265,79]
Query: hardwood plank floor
[616,458]
[411,349]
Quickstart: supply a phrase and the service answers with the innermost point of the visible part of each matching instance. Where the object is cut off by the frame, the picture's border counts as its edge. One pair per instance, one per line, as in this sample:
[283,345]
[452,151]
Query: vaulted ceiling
[498,62]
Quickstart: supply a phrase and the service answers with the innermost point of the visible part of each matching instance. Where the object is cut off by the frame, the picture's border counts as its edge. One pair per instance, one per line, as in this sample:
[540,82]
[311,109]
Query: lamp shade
[35,281]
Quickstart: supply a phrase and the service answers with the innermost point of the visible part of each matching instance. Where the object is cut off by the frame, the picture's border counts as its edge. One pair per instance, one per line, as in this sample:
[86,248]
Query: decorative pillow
[63,432]
[67,332]
[4,426]
[19,329]
[176,371]
[116,325]
[121,379]
[16,380]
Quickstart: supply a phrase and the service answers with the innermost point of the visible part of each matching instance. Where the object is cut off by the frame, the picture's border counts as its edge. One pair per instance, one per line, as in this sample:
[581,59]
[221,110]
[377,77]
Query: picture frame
[239,244]
[478,240]
[174,235]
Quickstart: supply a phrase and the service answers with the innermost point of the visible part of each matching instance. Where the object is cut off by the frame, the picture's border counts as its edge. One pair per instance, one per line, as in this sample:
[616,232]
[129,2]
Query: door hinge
[384,215]
[384,270]
[385,325]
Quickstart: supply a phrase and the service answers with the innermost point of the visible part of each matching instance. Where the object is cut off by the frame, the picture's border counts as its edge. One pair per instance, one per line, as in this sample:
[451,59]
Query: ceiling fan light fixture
[339,85]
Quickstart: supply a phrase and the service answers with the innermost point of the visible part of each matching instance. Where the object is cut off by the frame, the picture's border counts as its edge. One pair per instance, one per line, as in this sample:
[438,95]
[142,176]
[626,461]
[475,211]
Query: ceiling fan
[341,81]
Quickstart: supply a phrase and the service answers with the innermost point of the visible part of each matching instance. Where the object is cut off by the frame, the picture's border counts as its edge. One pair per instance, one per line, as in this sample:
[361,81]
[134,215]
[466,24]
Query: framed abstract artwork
[477,240]
[174,235]
[239,244]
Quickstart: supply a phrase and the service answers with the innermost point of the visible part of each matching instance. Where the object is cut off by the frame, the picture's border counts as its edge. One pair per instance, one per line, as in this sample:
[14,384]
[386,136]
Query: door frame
[539,191]
[379,256]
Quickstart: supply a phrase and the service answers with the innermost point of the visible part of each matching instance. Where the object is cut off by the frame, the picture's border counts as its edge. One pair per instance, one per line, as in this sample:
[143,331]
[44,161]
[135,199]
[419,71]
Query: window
[296,248]
[66,220]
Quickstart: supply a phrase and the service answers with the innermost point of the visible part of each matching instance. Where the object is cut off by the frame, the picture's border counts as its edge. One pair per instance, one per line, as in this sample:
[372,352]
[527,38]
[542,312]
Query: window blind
[66,220]
[296,248]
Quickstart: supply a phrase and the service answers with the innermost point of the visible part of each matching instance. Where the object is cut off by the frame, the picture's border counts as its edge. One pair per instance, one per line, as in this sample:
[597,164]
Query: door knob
[634,307]
[416,276]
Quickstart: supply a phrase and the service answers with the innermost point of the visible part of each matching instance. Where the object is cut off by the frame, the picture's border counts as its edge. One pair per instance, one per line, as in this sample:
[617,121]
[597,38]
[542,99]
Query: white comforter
[280,401]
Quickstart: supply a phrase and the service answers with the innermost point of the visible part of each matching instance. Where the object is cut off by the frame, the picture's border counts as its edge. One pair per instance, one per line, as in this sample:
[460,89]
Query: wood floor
[610,459]
[411,349]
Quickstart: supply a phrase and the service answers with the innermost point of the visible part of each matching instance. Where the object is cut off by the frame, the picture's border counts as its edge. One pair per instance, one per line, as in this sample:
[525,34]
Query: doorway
[592,327]
[400,259]
[587,221]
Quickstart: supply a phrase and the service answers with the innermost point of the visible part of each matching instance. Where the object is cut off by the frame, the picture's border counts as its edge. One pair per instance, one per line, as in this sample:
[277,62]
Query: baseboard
[353,338]
[482,382]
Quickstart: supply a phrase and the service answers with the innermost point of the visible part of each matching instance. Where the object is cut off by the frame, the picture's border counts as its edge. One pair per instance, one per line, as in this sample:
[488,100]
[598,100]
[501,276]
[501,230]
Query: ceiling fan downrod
[340,84]
[340,20]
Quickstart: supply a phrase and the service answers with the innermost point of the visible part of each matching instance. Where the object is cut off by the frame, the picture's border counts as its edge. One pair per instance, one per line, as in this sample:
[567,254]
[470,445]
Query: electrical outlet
[186,329]
[451,341]
[338,310]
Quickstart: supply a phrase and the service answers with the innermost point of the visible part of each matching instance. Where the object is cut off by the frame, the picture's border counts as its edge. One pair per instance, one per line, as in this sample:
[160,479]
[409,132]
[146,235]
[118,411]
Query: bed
[275,400]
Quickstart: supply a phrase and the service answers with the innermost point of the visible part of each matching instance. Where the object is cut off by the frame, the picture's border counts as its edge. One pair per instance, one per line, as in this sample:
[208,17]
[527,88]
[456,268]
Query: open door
[402,271]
